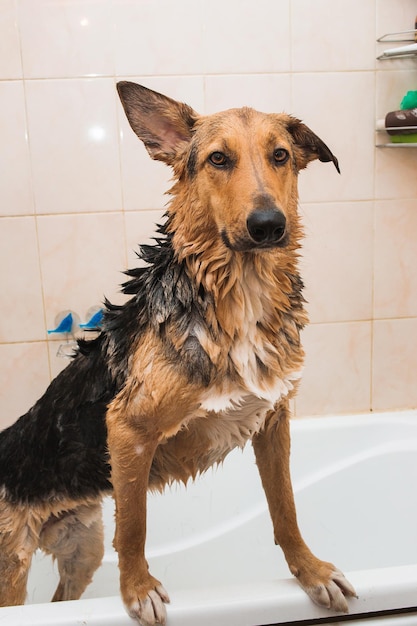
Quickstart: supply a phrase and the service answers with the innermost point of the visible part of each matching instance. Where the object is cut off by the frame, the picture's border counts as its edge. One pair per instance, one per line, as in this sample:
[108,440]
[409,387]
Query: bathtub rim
[381,590]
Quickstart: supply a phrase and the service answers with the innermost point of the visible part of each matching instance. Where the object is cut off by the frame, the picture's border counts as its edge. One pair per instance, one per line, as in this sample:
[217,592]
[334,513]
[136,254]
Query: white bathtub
[355,481]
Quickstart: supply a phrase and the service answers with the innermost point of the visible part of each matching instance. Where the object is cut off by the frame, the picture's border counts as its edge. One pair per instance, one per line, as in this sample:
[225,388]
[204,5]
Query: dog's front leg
[131,452]
[325,584]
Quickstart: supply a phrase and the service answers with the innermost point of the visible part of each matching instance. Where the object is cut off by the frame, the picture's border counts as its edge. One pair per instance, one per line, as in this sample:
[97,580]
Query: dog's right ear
[163,124]
[310,146]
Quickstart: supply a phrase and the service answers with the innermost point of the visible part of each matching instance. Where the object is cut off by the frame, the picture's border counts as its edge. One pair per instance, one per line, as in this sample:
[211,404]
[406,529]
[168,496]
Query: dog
[204,356]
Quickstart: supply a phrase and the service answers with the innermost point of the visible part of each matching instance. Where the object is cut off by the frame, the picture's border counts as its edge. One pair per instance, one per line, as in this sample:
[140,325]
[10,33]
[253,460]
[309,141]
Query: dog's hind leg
[325,584]
[19,535]
[75,540]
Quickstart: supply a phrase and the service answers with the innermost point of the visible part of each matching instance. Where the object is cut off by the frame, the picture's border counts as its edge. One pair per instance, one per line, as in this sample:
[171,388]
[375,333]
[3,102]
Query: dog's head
[241,165]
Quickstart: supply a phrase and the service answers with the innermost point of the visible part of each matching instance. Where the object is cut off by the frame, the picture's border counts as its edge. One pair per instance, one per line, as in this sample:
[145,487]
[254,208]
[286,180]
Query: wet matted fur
[203,357]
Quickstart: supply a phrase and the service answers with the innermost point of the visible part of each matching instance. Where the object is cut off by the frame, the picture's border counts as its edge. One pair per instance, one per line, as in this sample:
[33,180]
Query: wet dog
[204,356]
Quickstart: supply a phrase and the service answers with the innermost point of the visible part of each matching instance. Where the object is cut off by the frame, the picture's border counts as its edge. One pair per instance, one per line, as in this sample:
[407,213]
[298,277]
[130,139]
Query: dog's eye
[280,155]
[218,159]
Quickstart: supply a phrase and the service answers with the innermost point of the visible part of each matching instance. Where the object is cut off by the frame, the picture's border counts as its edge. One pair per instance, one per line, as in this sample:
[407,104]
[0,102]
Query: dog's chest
[235,416]
[224,398]
[228,424]
[235,425]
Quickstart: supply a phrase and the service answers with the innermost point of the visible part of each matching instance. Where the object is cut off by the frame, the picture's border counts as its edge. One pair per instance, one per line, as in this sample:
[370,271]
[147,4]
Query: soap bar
[402,122]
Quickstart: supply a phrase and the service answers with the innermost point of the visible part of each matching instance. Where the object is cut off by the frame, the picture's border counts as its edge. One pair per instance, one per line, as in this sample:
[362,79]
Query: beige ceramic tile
[270,93]
[66,38]
[82,257]
[336,262]
[16,196]
[22,317]
[140,229]
[394,364]
[394,15]
[244,37]
[24,373]
[337,374]
[395,274]
[10,58]
[339,108]
[318,43]
[163,38]
[395,173]
[74,145]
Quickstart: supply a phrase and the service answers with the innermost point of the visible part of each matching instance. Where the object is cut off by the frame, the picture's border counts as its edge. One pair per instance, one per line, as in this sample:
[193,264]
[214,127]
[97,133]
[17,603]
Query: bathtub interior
[354,481]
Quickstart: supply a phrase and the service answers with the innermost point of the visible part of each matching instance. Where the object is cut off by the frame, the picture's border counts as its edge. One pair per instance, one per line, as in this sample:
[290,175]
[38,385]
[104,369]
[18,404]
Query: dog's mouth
[245,243]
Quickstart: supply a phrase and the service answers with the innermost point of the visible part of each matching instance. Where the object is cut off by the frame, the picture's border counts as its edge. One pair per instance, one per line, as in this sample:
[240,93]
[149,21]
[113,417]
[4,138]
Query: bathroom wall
[78,191]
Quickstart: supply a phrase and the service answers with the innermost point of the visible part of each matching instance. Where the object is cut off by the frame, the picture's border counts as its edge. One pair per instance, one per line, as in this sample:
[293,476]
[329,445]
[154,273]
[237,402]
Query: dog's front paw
[326,585]
[146,602]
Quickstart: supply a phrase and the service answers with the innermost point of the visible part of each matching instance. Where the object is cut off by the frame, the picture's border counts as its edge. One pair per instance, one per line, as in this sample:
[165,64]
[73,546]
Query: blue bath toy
[64,326]
[94,322]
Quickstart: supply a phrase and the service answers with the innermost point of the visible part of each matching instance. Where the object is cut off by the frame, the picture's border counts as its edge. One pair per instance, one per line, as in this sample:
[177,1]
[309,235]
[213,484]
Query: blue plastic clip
[65,325]
[94,322]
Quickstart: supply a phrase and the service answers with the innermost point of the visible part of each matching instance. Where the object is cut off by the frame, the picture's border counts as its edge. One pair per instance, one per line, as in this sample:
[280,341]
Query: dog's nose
[266,226]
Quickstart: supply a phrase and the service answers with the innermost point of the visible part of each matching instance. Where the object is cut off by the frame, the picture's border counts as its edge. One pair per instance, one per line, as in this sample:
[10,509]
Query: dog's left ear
[164,125]
[310,146]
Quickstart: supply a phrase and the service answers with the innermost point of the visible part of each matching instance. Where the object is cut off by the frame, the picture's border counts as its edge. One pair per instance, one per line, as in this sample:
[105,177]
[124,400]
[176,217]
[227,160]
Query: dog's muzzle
[266,227]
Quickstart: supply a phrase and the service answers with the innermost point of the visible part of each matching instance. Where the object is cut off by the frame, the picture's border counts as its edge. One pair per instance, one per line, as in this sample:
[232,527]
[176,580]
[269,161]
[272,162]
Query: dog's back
[57,450]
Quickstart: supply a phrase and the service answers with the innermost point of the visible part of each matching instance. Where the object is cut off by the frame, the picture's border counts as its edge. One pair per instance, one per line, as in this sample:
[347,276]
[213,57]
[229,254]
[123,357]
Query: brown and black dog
[204,356]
